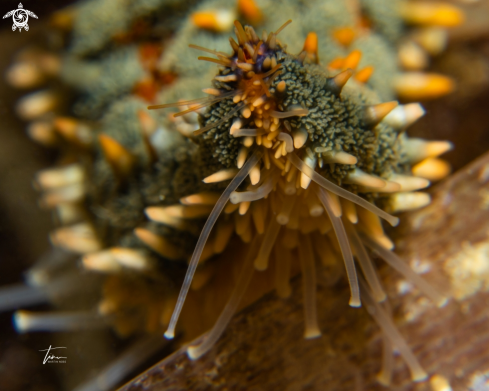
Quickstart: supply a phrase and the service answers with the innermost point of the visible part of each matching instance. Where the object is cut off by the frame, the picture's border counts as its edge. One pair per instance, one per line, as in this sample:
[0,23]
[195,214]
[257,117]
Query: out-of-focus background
[24,226]
[462,117]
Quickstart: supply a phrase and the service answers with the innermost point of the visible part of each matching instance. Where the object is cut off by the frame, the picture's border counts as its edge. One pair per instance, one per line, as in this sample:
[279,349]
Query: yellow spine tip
[218,21]
[363,75]
[353,59]
[337,63]
[311,43]
[250,11]
[420,86]
[119,158]
[432,14]
[344,35]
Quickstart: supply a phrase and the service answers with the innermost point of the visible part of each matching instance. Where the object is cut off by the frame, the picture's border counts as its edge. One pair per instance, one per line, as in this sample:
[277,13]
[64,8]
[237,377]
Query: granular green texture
[335,123]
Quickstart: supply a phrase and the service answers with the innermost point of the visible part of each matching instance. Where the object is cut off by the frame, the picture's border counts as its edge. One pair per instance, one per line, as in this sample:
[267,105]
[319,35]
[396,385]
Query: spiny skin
[116,210]
[334,123]
[259,89]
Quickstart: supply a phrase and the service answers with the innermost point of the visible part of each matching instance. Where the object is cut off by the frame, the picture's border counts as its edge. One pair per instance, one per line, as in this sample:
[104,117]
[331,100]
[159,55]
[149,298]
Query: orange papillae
[414,86]
[353,59]
[218,21]
[351,62]
[432,14]
[363,75]
[120,159]
[344,35]
[311,47]
[337,63]
[73,131]
[250,11]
